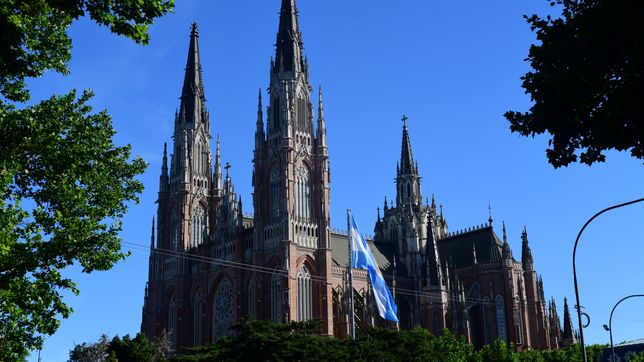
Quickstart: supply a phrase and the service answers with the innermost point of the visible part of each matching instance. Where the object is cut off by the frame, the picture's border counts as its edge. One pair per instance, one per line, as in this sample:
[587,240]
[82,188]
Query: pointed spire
[568,330]
[526,253]
[321,133]
[217,173]
[378,210]
[259,130]
[386,207]
[433,202]
[489,209]
[288,54]
[164,179]
[152,235]
[192,94]
[164,165]
[406,157]
[507,252]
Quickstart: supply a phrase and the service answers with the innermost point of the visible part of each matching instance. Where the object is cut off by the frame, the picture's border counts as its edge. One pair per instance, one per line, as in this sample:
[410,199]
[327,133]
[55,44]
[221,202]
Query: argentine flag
[363,259]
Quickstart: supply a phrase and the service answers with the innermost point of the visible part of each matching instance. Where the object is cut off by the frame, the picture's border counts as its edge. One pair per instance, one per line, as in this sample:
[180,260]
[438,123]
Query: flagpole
[352,321]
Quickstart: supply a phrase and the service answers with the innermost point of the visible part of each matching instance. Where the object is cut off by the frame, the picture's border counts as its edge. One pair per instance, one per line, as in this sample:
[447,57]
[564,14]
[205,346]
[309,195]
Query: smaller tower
[526,253]
[568,337]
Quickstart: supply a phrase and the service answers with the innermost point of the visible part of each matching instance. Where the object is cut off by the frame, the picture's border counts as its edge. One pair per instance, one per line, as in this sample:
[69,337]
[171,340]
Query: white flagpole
[352,321]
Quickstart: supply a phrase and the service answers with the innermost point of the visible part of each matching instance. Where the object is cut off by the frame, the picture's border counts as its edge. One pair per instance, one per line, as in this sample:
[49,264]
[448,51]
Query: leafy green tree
[587,81]
[64,184]
[126,349]
[498,351]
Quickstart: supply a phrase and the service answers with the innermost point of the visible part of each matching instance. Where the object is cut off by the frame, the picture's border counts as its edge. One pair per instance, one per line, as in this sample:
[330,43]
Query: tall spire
[259,126]
[288,56]
[163,180]
[321,133]
[568,336]
[152,235]
[217,173]
[507,252]
[526,253]
[192,94]
[406,157]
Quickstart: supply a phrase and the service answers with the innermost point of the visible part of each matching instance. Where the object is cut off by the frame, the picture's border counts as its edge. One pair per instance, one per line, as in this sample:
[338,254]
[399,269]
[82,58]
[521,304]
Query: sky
[453,67]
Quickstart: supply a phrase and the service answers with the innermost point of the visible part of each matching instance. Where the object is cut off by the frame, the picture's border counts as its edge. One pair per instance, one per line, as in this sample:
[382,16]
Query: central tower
[291,185]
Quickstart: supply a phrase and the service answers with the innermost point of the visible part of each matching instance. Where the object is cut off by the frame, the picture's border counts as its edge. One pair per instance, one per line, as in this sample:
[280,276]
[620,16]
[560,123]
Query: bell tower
[291,182]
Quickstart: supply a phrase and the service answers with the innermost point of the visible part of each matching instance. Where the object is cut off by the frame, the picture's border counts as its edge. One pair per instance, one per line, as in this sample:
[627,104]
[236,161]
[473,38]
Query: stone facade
[211,265]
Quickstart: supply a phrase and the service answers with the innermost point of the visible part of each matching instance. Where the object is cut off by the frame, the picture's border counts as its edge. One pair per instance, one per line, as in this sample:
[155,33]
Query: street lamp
[609,327]
[574,271]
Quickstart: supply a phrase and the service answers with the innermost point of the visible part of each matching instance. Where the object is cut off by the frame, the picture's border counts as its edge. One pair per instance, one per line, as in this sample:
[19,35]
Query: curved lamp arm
[574,270]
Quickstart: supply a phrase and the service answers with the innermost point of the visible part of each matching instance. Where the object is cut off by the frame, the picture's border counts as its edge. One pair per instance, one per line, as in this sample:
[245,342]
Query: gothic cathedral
[211,265]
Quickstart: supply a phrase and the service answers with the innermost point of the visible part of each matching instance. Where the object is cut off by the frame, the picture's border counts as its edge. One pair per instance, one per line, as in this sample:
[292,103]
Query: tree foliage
[587,81]
[264,341]
[64,184]
[126,349]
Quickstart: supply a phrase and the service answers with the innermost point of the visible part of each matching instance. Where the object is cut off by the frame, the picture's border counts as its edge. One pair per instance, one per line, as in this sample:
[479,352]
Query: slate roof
[340,252]
[457,248]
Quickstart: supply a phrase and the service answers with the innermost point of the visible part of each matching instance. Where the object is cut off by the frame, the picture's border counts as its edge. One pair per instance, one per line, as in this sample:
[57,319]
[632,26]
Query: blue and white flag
[362,258]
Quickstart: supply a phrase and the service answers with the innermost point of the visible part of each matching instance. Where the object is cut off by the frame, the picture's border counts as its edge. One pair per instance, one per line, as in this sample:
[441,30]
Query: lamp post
[609,328]
[574,271]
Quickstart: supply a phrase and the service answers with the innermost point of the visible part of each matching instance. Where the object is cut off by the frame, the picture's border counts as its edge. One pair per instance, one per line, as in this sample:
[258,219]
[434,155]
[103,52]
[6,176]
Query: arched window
[487,321]
[276,299]
[275,194]
[223,310]
[198,227]
[276,113]
[303,209]
[171,320]
[500,318]
[304,295]
[198,300]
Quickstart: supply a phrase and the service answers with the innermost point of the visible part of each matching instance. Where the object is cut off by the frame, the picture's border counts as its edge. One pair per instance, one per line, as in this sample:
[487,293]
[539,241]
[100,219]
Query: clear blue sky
[452,66]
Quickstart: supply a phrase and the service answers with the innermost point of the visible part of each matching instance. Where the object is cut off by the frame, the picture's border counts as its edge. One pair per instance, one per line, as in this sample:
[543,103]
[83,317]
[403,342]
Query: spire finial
[489,209]
[378,210]
[404,120]
[152,235]
[227,167]
[505,235]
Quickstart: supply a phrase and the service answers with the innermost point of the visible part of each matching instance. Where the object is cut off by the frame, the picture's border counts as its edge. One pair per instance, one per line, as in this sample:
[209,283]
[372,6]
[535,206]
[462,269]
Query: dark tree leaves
[64,187]
[34,34]
[587,81]
[64,184]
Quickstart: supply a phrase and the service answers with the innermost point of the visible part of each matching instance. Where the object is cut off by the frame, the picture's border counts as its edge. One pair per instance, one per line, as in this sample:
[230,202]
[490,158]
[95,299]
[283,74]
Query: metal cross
[227,167]
[404,119]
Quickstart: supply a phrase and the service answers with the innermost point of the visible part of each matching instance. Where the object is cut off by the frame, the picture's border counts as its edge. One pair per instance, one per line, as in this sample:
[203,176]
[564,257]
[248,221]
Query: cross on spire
[404,119]
[227,167]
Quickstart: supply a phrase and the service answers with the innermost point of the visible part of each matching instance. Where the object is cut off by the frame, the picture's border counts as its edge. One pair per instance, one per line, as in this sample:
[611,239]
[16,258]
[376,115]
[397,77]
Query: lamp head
[606,328]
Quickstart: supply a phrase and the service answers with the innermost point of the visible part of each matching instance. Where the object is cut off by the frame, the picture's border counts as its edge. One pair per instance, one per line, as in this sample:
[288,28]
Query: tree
[64,184]
[126,349]
[587,81]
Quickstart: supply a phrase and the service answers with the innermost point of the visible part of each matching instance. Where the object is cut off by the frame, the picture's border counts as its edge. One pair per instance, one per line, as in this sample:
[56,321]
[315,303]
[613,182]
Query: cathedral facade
[211,265]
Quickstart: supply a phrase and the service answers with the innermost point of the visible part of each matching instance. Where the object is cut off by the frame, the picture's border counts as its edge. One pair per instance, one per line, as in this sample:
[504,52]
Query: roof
[458,249]
[340,251]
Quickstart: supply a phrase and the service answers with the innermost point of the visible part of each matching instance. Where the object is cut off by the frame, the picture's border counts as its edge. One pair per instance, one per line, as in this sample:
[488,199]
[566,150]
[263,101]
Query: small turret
[507,252]
[216,177]
[321,132]
[152,236]
[526,253]
[259,130]
[164,179]
[568,336]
